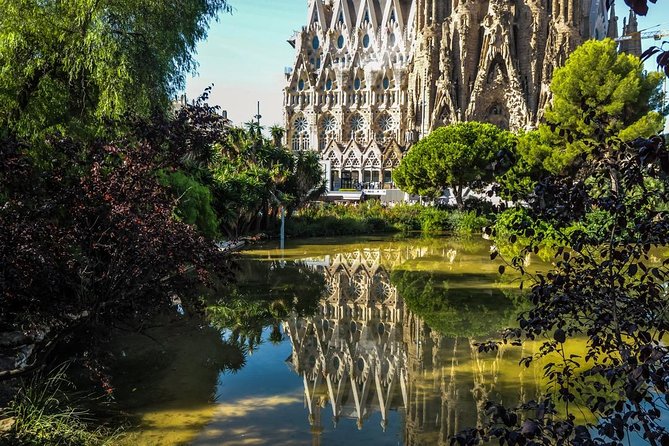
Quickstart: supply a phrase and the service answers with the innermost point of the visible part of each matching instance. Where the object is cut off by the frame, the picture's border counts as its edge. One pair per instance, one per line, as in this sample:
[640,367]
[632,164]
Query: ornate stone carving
[421,64]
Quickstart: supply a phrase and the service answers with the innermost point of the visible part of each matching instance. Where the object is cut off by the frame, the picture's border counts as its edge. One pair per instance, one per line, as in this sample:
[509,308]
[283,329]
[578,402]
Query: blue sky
[246,52]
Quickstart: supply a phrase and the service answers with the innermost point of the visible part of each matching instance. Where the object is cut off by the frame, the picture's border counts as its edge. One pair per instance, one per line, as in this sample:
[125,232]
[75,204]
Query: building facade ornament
[373,75]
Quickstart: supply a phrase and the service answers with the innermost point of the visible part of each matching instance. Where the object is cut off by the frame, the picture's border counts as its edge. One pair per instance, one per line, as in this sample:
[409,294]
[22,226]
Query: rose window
[301,124]
[357,123]
[386,122]
[329,124]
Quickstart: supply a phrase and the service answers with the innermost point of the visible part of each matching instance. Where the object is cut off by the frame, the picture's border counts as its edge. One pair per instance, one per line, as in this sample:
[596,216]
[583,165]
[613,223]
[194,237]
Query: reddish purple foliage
[89,237]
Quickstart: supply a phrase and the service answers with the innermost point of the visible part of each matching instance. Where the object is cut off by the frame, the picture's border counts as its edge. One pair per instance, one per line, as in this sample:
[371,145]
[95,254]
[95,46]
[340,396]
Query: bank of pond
[330,341]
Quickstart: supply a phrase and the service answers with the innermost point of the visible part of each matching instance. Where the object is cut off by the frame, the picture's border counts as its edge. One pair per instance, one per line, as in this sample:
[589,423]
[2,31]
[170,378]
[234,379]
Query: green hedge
[371,217]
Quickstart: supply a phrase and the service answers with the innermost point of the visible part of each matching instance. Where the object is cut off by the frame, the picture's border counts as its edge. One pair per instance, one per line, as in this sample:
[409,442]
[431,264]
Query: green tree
[194,202]
[67,66]
[305,181]
[252,178]
[598,94]
[456,156]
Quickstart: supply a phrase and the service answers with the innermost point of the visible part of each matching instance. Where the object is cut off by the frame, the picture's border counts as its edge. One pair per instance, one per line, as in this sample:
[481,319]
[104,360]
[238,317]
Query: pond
[346,341]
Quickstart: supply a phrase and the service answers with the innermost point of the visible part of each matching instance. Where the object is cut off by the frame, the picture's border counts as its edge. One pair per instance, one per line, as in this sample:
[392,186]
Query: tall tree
[599,94]
[456,156]
[68,65]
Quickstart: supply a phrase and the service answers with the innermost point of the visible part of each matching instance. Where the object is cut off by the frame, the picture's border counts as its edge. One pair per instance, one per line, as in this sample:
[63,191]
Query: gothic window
[334,160]
[300,84]
[372,161]
[386,83]
[340,42]
[301,124]
[300,139]
[329,124]
[357,83]
[366,18]
[365,41]
[391,161]
[315,43]
[392,17]
[386,122]
[357,123]
[392,39]
[341,17]
[328,84]
[352,161]
[327,131]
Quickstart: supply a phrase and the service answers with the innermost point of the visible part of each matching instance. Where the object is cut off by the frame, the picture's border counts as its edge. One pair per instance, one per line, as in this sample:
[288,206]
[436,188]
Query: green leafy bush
[467,222]
[435,220]
[372,217]
[194,202]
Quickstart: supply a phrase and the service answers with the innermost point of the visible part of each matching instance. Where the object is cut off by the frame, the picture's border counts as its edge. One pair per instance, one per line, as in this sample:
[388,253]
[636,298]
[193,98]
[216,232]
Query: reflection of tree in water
[266,292]
[453,309]
[377,345]
[171,364]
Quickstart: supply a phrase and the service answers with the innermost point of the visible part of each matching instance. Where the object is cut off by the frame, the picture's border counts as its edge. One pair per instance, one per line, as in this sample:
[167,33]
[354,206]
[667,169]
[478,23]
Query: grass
[42,413]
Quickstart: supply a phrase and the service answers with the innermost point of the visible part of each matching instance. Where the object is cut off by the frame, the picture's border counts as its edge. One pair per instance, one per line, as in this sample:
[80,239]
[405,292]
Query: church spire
[612,31]
[632,43]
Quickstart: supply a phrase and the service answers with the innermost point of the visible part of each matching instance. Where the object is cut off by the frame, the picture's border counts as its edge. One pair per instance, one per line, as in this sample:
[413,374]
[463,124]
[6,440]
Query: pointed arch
[341,15]
[316,14]
[299,132]
[328,127]
[497,69]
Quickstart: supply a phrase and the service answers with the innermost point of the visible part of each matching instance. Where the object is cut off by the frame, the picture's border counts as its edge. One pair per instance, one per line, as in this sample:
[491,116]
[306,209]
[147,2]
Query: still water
[333,342]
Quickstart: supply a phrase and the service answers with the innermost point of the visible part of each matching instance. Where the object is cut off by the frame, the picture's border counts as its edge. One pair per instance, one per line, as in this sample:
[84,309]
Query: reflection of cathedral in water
[365,352]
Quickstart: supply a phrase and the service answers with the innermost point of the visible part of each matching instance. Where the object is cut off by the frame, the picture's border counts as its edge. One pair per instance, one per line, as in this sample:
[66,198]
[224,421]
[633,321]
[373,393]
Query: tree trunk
[457,190]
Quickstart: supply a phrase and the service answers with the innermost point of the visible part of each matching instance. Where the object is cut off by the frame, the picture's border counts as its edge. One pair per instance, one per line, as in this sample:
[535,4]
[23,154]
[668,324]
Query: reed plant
[43,412]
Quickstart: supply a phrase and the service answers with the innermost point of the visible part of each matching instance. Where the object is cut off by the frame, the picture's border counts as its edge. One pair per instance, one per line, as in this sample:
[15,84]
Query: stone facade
[371,77]
[630,42]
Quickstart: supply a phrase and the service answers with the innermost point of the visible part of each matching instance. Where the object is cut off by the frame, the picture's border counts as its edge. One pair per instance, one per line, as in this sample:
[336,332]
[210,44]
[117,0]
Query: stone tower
[371,77]
[493,60]
[632,43]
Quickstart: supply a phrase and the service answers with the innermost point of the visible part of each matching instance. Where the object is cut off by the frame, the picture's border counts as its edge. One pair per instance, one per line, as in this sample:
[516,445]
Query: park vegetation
[590,191]
[456,156]
[112,201]
[372,217]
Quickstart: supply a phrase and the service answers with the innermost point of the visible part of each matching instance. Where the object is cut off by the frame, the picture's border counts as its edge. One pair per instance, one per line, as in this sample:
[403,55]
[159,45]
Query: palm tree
[277,133]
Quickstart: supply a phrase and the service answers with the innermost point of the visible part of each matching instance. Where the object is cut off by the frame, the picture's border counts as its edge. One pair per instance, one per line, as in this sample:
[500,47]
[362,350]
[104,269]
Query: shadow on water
[165,378]
[363,342]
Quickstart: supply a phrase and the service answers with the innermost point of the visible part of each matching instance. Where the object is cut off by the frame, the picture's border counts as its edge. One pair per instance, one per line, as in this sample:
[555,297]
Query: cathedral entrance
[335,183]
[370,179]
[350,179]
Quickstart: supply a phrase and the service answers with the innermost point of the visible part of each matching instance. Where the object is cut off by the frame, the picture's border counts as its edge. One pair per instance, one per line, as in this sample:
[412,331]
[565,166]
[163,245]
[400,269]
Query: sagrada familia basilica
[371,77]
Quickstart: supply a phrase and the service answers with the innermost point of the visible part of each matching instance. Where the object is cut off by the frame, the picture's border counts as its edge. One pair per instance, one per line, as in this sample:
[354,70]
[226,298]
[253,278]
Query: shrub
[467,222]
[194,202]
[372,217]
[435,220]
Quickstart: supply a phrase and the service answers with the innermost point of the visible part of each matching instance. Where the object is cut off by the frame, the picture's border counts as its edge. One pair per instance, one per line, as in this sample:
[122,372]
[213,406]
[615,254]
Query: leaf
[560,335]
[493,255]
